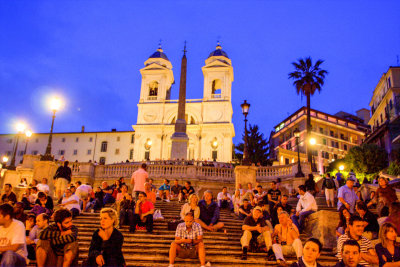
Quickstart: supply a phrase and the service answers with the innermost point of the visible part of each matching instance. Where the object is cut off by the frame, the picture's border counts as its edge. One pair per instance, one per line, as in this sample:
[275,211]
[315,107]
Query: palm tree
[307,79]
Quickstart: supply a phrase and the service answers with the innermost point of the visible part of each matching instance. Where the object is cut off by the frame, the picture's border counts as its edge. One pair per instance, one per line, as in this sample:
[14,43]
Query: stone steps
[143,249]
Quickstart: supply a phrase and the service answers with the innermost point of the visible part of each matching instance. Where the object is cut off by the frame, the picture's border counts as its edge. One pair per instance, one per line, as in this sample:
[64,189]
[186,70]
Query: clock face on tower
[150,116]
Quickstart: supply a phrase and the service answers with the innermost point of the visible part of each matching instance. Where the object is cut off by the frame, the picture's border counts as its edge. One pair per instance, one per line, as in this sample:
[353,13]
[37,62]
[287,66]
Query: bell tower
[157,78]
[218,76]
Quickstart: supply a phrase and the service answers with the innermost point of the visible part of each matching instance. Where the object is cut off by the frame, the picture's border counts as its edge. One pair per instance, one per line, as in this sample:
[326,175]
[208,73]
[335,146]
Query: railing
[115,171]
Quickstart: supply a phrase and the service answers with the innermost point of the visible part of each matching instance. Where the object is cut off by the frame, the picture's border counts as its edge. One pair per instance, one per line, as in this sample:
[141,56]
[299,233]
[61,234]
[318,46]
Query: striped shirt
[364,243]
[58,241]
[183,233]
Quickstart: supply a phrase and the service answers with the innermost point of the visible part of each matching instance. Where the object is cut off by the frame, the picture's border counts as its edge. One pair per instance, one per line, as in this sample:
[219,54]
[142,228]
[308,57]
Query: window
[117,151]
[332,143]
[103,146]
[77,139]
[345,147]
[37,140]
[216,88]
[335,156]
[90,139]
[132,138]
[131,154]
[342,136]
[286,161]
[61,152]
[75,151]
[324,141]
[332,134]
[89,152]
[153,88]
[390,104]
[34,152]
[147,155]
[63,139]
[8,153]
[9,141]
[389,82]
[102,160]
[321,130]
[118,138]
[214,154]
[20,153]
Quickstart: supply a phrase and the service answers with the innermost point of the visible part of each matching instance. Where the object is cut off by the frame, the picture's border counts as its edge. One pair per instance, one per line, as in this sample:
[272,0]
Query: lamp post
[55,104]
[4,162]
[299,171]
[313,141]
[28,134]
[245,110]
[20,128]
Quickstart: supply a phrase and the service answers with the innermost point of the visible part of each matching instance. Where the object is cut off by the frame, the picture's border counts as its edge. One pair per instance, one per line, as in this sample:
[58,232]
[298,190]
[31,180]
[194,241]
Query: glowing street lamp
[245,110]
[20,127]
[5,159]
[341,167]
[55,105]
[299,173]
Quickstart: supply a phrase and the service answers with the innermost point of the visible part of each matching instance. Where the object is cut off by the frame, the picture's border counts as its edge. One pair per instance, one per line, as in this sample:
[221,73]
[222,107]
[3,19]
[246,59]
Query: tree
[367,159]
[257,146]
[307,79]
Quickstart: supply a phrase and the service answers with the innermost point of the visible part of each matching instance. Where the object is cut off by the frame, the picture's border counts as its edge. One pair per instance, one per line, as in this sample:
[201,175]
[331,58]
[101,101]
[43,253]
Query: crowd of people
[38,228]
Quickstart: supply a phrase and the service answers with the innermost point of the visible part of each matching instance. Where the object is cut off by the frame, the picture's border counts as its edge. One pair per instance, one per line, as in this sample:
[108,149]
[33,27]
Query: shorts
[187,253]
[61,184]
[330,194]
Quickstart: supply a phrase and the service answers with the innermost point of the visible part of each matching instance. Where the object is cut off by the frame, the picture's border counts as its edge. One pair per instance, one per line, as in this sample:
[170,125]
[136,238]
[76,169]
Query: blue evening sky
[91,52]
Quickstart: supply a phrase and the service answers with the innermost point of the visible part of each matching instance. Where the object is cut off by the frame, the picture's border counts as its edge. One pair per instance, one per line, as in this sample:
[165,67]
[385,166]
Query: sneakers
[244,254]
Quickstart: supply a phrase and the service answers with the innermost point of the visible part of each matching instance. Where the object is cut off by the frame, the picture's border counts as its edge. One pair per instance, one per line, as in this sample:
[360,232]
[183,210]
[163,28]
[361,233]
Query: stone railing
[282,171]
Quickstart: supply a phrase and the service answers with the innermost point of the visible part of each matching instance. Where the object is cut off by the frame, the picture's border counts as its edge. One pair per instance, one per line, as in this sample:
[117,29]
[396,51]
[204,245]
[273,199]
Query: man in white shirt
[12,238]
[224,199]
[306,206]
[43,186]
[83,191]
[71,203]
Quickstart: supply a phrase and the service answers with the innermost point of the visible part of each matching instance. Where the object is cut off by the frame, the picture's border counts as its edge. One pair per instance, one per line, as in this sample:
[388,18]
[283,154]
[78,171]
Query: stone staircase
[142,249]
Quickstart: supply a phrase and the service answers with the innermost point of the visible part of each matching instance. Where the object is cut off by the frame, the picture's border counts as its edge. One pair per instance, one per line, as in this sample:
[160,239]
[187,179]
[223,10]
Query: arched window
[216,88]
[153,88]
[103,146]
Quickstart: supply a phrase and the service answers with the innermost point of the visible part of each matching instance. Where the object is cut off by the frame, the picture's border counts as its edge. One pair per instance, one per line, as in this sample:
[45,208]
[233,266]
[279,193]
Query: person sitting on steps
[311,252]
[209,213]
[143,216]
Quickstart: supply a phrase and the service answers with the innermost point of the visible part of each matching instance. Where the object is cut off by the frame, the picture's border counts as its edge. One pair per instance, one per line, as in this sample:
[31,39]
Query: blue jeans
[10,258]
[299,220]
[108,198]
[225,204]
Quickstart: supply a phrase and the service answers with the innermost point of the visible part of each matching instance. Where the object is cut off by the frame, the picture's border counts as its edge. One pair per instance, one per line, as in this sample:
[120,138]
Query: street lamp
[299,171]
[20,128]
[313,141]
[28,134]
[55,104]
[341,167]
[245,110]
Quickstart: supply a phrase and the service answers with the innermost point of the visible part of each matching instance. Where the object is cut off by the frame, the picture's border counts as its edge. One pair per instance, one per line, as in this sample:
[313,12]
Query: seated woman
[126,207]
[237,201]
[388,250]
[46,204]
[344,217]
[192,206]
[371,229]
[106,246]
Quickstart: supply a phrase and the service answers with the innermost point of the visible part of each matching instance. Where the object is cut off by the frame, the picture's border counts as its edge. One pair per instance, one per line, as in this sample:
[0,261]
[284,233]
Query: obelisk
[180,139]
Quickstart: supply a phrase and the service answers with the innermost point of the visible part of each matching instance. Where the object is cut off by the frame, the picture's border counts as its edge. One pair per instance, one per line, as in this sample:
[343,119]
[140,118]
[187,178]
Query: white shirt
[221,196]
[84,188]
[43,187]
[71,206]
[306,203]
[14,234]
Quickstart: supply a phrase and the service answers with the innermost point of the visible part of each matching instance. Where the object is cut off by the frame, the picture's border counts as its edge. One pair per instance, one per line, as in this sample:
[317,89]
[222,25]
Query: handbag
[173,224]
[157,215]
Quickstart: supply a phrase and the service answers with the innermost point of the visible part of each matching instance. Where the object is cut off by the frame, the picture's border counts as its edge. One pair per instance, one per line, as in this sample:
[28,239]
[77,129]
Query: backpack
[330,184]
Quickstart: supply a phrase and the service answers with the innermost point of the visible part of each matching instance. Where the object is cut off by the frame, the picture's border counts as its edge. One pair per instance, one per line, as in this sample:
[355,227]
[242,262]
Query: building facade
[334,136]
[385,110]
[102,147]
[209,120]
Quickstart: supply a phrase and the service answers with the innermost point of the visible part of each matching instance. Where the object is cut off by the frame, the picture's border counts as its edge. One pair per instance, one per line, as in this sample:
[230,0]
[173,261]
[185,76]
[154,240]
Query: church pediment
[218,63]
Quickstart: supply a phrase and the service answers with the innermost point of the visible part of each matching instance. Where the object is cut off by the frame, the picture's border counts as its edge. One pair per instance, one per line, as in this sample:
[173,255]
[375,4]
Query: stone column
[45,169]
[245,175]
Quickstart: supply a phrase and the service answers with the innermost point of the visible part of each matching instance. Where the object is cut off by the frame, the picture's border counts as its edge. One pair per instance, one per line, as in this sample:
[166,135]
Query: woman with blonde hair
[106,246]
[192,206]
[237,201]
[388,250]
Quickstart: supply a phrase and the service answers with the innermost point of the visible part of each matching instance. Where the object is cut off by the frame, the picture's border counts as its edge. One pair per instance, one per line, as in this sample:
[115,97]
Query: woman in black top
[344,217]
[388,250]
[106,246]
[372,227]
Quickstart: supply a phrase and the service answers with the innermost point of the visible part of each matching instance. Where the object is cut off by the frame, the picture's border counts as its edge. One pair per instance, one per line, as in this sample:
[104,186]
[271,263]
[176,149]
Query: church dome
[159,54]
[218,52]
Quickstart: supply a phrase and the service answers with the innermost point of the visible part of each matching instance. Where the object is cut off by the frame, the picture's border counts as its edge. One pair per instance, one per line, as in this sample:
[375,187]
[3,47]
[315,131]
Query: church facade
[209,120]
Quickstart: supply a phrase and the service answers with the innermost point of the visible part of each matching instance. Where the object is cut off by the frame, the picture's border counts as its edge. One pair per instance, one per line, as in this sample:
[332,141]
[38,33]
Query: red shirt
[145,207]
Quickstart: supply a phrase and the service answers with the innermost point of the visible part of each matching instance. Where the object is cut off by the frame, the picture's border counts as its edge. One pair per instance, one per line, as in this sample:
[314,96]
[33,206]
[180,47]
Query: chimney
[83,128]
